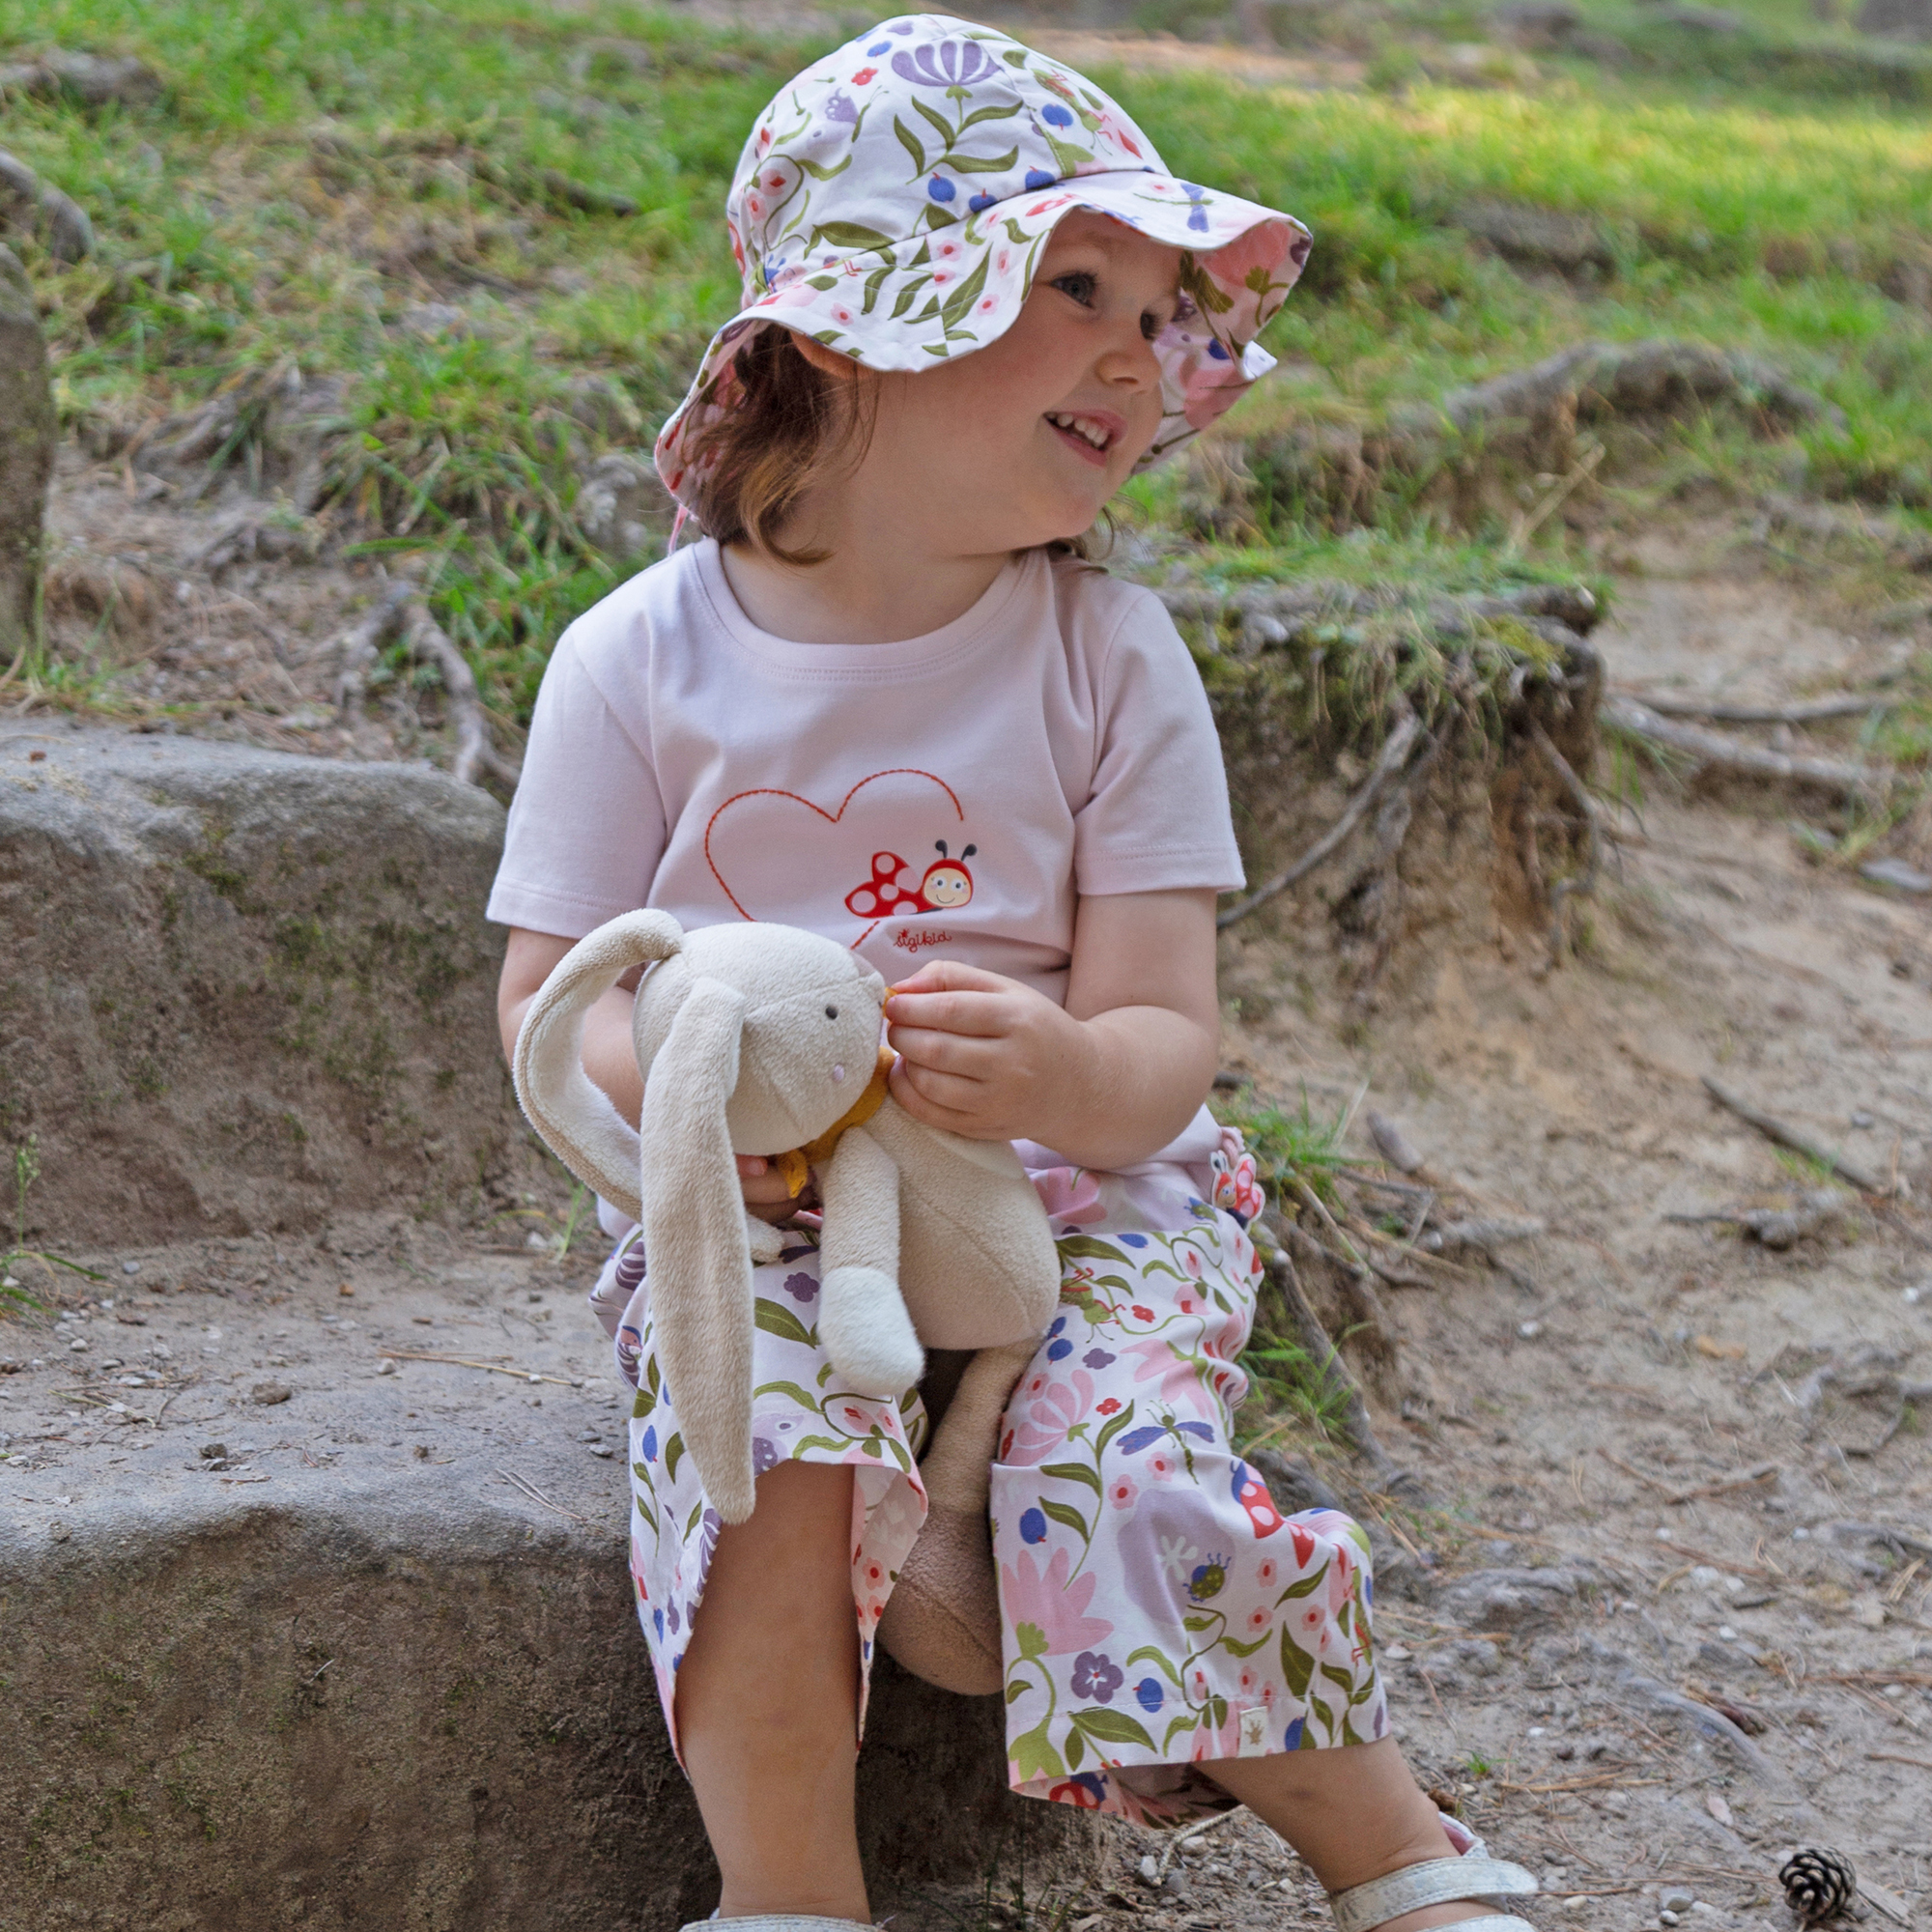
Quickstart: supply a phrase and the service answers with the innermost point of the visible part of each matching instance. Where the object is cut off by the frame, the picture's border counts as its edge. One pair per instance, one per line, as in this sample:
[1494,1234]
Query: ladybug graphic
[946,886]
[1251,1492]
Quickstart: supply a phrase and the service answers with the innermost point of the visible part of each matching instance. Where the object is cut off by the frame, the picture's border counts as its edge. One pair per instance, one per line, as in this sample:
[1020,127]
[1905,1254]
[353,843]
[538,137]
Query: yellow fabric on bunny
[795,1164]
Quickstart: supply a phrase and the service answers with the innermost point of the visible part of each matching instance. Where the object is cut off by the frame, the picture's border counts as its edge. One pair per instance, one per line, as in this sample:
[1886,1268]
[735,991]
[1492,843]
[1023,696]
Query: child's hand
[765,1193]
[981,1054]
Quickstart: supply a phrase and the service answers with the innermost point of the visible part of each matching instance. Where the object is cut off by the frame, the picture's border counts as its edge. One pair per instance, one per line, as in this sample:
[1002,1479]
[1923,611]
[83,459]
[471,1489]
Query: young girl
[884,699]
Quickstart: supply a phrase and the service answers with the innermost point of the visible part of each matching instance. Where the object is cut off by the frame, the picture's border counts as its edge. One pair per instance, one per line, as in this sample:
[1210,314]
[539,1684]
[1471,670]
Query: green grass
[313,175]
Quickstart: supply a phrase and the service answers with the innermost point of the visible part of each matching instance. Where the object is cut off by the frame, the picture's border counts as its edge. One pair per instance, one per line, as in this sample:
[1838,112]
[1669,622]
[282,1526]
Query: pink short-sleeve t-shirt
[951,796]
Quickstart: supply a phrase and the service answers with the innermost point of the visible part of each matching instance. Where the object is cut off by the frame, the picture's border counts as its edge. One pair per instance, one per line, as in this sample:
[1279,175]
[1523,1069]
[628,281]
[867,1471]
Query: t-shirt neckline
[965,631]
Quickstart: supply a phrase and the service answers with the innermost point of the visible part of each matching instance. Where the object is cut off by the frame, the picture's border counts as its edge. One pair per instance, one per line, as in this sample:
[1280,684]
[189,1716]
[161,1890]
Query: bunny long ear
[574,1115]
[700,1257]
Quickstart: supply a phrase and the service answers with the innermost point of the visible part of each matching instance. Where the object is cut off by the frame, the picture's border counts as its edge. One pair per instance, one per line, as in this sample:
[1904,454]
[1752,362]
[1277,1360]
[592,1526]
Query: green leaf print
[873,283]
[1031,1640]
[777,1319]
[1072,1472]
[1298,1667]
[1076,1749]
[1148,1654]
[1085,1247]
[966,294]
[848,235]
[1065,1513]
[652,1376]
[1070,159]
[1337,1676]
[791,1389]
[993,113]
[1113,1428]
[694,1518]
[1188,1721]
[817,169]
[909,141]
[821,282]
[644,1403]
[1034,1756]
[1114,1727]
[1198,1623]
[674,1456]
[1202,286]
[645,1510]
[939,122]
[1234,1648]
[1306,1587]
[1017,1690]
[984,164]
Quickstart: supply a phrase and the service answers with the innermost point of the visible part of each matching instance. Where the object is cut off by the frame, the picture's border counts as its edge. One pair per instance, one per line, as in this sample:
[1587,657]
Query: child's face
[1023,441]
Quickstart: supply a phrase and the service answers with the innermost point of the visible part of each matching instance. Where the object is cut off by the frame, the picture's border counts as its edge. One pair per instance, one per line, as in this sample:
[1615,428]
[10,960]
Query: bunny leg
[861,1317]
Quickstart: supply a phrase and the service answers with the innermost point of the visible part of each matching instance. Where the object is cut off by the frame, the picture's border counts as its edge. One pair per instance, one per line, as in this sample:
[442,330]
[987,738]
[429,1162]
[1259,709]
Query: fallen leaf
[1717,1807]
[1719,1351]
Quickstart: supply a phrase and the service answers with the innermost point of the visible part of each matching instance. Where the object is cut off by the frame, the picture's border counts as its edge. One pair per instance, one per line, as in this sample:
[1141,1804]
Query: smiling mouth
[1088,435]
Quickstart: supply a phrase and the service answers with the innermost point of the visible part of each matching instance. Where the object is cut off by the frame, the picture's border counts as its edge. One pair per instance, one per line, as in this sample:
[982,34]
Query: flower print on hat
[892,202]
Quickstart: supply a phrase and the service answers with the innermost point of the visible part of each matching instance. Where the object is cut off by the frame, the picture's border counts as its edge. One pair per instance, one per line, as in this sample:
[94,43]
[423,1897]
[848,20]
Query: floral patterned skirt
[1159,1612]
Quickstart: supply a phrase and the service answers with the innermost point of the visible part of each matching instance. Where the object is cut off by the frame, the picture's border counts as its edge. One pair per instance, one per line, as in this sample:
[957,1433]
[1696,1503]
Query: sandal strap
[1432,1882]
[776,1921]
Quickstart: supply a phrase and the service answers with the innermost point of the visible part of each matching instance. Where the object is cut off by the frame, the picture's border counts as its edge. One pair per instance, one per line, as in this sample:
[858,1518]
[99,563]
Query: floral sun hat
[893,199]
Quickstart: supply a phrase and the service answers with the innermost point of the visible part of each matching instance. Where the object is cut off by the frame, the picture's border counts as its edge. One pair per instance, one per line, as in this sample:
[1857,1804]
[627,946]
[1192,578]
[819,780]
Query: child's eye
[1080,284]
[1152,323]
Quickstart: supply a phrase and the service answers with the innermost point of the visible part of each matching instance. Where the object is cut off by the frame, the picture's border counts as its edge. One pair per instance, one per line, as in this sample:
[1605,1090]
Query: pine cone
[1818,1885]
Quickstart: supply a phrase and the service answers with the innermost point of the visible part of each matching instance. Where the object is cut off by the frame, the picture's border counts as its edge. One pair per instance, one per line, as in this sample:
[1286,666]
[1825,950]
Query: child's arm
[609,1056]
[1106,1080]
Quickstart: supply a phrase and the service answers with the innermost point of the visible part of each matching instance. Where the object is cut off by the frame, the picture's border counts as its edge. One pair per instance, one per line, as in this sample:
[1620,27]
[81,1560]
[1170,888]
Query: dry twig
[1586,808]
[1786,1135]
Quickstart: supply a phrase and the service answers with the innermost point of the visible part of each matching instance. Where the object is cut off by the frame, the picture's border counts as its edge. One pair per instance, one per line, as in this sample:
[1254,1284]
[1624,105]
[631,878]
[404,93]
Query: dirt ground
[1698,1448]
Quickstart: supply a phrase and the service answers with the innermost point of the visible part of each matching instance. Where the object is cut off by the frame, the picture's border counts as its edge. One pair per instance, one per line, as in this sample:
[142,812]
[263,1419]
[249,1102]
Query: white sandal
[1474,1877]
[776,1921]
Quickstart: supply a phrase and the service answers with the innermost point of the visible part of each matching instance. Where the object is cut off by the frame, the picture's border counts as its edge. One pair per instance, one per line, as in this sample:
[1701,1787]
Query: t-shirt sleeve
[1157,818]
[586,826]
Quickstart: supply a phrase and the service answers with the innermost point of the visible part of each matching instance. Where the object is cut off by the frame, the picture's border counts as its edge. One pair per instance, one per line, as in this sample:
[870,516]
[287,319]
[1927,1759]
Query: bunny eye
[832,1013]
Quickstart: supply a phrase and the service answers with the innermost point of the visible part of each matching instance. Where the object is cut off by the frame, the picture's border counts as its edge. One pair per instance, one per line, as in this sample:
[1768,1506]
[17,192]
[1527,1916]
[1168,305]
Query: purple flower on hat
[1197,212]
[939,188]
[950,64]
[878,48]
[843,107]
[1060,116]
[1038,178]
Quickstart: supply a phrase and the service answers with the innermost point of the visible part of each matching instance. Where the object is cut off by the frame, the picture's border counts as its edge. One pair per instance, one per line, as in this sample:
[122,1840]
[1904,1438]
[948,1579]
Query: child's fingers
[944,1052]
[909,1088]
[750,1164]
[949,976]
[949,1011]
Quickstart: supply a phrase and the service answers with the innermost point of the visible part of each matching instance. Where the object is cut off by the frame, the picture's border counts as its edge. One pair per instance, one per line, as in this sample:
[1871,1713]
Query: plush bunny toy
[764,1040]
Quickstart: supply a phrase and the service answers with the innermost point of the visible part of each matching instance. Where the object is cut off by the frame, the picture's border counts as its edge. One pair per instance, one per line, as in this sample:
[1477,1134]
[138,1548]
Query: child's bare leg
[768,1698]
[1353,1812]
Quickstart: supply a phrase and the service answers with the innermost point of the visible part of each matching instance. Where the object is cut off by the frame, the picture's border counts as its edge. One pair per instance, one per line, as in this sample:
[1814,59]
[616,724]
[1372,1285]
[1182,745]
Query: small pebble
[1577,1901]
[79,1347]
[1915,1295]
[1530,1330]
[385,1367]
[214,1452]
[268,1394]
[602,1450]
[1149,1869]
[1728,1635]
[345,1289]
[1667,1919]
[424,1321]
[130,1268]
[57,1532]
[1677,1898]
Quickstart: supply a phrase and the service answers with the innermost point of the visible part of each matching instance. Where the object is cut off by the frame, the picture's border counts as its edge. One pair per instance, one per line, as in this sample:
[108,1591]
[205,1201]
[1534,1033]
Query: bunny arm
[978,1267]
[863,1321]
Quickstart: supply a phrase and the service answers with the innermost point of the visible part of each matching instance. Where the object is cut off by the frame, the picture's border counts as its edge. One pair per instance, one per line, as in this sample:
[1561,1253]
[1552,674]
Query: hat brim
[934,295]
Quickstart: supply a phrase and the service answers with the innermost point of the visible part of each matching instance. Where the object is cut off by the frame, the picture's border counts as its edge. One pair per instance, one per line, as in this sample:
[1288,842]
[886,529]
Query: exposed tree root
[1716,751]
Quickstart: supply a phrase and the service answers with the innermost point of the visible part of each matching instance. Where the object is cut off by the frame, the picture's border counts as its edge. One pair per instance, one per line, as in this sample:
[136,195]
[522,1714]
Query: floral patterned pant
[1159,1612]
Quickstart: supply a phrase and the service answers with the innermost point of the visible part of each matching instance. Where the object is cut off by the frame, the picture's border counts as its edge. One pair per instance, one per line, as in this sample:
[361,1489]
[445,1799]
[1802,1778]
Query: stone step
[378,1666]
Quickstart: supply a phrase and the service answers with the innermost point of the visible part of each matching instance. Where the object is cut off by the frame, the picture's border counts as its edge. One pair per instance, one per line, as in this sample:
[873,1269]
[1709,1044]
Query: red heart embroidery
[782,863]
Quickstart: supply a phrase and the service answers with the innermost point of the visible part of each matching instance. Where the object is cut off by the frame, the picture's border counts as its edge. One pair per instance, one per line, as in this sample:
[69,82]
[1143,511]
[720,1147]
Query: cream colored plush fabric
[754,1039]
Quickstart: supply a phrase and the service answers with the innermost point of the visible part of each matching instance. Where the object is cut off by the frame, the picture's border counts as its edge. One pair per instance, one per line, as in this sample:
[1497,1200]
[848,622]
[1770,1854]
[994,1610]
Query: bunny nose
[838,1074]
